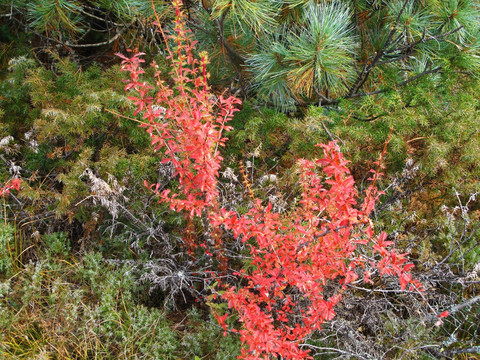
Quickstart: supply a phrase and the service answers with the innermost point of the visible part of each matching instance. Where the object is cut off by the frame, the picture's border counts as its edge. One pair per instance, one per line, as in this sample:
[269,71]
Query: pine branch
[68,44]
[400,84]
[374,59]
[236,59]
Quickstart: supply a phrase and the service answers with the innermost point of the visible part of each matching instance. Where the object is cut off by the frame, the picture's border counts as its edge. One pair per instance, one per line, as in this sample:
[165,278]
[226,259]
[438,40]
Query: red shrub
[301,259]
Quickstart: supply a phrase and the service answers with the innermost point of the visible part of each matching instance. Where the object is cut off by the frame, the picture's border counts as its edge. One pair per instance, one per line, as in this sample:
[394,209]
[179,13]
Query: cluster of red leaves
[186,121]
[296,255]
[326,241]
[13,184]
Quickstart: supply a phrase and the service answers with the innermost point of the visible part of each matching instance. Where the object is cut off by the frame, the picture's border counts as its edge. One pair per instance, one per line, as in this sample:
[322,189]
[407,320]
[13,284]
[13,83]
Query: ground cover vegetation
[173,204]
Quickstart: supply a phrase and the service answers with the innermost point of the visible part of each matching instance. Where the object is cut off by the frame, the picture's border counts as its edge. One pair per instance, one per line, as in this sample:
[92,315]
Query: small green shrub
[63,308]
[205,339]
[6,248]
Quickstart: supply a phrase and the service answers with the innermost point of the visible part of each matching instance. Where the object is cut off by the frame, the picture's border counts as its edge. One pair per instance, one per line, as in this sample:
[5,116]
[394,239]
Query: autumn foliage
[186,121]
[302,259]
[13,184]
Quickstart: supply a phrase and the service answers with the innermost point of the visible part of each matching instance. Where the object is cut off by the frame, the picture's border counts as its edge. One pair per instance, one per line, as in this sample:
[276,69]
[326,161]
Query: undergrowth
[65,307]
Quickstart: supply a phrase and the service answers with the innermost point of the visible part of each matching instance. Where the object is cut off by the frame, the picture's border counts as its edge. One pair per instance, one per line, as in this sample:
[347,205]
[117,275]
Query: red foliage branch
[303,259]
[13,184]
[186,122]
[297,255]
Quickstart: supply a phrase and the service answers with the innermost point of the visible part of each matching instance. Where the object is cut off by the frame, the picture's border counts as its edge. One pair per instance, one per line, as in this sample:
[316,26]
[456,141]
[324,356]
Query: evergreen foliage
[85,30]
[321,52]
[287,53]
[65,130]
[433,126]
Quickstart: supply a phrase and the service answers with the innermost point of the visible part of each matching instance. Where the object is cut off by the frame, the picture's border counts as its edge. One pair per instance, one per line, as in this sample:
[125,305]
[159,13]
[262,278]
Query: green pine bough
[286,53]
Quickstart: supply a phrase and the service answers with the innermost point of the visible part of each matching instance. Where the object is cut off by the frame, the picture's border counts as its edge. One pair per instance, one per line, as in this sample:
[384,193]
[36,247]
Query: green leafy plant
[6,248]
[67,307]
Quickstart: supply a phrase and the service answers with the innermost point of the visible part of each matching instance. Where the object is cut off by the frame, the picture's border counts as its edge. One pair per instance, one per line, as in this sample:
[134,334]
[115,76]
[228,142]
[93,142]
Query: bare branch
[465,304]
